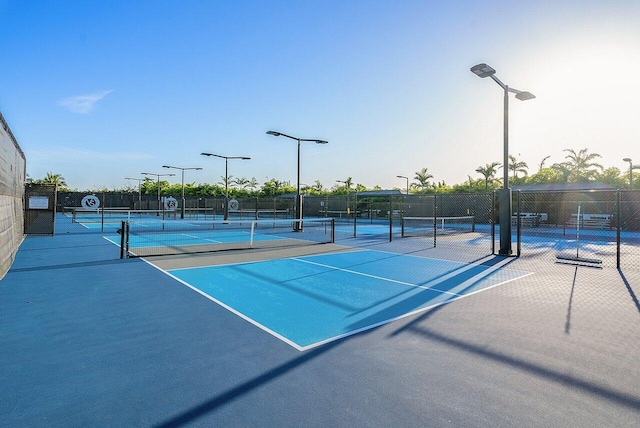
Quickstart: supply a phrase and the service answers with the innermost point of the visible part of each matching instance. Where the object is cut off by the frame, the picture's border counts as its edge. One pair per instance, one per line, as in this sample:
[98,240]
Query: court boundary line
[230,309]
[301,348]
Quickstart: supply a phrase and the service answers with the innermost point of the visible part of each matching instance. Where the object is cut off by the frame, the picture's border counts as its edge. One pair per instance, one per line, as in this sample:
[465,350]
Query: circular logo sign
[90,202]
[170,203]
[233,204]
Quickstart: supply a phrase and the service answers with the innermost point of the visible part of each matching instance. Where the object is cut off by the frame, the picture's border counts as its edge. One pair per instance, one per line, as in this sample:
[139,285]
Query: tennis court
[92,340]
[311,300]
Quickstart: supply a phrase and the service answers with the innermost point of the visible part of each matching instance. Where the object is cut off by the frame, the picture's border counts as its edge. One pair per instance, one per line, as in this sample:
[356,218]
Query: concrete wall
[12,180]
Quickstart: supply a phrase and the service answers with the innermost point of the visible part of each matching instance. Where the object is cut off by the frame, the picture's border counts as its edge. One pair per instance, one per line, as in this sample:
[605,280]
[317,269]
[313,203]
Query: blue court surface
[312,300]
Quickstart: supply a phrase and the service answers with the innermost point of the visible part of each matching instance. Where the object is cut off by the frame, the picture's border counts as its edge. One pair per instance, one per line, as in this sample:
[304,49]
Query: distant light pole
[631,168]
[407,178]
[504,198]
[139,180]
[182,206]
[158,175]
[298,208]
[226,178]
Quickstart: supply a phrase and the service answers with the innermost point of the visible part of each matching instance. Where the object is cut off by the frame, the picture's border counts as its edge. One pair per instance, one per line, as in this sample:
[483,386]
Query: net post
[253,224]
[333,230]
[122,239]
[126,242]
[402,227]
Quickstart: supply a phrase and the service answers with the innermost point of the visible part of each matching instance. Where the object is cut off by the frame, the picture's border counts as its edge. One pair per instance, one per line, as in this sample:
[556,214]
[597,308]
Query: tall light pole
[158,175]
[407,178]
[504,198]
[298,214]
[226,178]
[182,203]
[346,186]
[631,168]
[139,180]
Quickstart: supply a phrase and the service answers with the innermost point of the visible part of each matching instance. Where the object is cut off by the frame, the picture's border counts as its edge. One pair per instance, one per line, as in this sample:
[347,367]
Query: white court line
[372,326]
[372,276]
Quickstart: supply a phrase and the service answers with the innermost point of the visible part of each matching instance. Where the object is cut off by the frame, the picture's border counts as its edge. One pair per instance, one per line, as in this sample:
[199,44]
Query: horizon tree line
[579,166]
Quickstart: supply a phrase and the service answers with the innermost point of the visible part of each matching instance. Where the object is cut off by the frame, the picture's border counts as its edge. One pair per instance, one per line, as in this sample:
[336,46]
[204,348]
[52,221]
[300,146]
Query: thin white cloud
[83,103]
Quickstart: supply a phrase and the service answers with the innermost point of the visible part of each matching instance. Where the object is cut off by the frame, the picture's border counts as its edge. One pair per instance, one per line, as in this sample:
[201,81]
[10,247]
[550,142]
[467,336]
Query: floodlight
[524,96]
[483,70]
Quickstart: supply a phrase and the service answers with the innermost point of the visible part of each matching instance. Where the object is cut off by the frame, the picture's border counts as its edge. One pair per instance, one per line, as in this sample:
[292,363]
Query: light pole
[158,175]
[407,178]
[504,198]
[346,186]
[631,168]
[226,178]
[298,208]
[182,206]
[139,180]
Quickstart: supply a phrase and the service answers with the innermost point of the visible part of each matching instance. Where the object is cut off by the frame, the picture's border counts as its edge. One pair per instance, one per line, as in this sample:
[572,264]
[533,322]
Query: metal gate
[40,209]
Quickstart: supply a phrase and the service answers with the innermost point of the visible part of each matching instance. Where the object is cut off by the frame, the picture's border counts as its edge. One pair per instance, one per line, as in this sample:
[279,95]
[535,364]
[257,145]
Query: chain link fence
[602,227]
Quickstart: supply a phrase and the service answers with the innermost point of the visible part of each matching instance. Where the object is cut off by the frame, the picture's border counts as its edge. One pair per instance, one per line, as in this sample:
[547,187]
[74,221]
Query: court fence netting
[544,223]
[144,239]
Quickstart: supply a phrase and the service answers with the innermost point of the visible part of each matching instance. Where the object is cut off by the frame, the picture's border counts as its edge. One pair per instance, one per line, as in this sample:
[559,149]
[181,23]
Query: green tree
[253,184]
[563,170]
[546,175]
[422,177]
[516,166]
[488,172]
[582,166]
[51,178]
[613,177]
[542,162]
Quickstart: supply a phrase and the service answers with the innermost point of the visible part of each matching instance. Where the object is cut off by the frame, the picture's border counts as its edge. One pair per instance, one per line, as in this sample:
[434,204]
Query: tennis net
[143,239]
[428,226]
[116,215]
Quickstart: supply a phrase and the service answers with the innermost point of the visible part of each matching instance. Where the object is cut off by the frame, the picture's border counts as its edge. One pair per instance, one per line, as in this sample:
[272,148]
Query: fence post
[435,220]
[518,224]
[618,226]
[493,222]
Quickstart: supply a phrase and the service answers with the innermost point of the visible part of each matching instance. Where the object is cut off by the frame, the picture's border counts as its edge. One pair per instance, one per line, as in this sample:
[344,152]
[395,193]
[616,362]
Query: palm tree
[488,171]
[517,167]
[581,165]
[542,162]
[422,177]
[272,187]
[563,169]
[56,179]
[347,184]
[242,182]
[317,186]
[252,184]
[227,181]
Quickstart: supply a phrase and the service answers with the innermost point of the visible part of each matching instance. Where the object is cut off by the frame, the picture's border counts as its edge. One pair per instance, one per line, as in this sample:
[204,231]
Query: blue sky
[102,90]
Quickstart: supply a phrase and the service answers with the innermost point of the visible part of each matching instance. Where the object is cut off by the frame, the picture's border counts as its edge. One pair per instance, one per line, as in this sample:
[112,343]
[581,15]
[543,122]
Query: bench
[530,219]
[590,221]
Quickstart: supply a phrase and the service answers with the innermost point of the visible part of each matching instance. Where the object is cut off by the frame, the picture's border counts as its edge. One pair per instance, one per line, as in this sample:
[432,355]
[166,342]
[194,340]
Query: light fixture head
[483,70]
[274,133]
[524,96]
[626,160]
